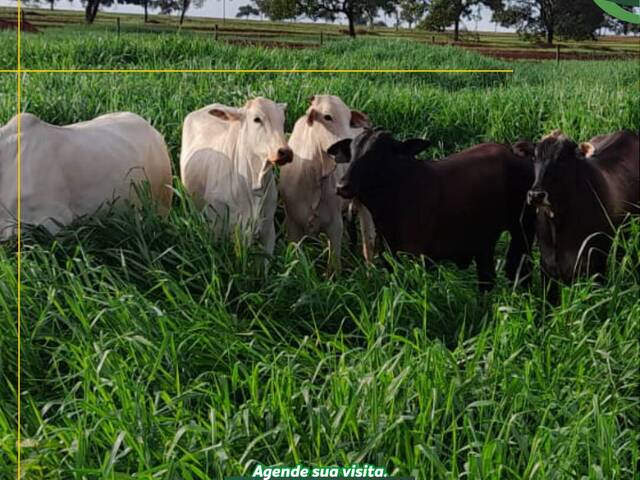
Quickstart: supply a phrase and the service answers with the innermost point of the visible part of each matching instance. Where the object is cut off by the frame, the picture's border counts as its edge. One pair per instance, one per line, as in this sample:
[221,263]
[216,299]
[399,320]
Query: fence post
[433,39]
[557,54]
[118,25]
[321,38]
[215,32]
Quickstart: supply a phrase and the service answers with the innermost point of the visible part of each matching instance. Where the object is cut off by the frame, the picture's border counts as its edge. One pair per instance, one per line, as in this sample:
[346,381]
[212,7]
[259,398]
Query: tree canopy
[576,19]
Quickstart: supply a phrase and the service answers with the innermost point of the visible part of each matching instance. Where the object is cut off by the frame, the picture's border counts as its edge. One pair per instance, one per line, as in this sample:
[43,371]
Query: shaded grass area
[148,347]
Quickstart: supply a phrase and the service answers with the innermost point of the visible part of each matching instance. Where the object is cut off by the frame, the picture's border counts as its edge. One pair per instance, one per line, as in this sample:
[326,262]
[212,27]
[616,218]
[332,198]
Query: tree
[443,13]
[170,6]
[371,9]
[354,10]
[247,11]
[91,8]
[145,4]
[279,9]
[412,11]
[577,19]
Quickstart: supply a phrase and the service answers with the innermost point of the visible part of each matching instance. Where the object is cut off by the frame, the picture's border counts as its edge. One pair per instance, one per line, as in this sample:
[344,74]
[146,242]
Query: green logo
[614,8]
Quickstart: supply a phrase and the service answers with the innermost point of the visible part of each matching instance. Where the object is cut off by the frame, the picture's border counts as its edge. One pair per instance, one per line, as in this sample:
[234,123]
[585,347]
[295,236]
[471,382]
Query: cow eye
[328,118]
[257,120]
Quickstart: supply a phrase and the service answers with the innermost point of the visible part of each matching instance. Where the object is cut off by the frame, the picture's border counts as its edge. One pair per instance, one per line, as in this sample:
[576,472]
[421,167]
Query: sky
[214,8]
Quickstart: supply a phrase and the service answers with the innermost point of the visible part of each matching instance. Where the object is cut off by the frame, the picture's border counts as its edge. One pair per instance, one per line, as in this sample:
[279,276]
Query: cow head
[261,126]
[556,160]
[370,156]
[331,121]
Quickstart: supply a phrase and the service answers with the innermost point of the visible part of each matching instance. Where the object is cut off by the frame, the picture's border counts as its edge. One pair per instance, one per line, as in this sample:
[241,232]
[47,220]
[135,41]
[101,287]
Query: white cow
[75,170]
[308,185]
[227,162]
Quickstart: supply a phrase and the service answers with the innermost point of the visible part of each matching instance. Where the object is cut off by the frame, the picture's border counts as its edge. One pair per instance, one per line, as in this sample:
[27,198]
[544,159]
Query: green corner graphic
[614,8]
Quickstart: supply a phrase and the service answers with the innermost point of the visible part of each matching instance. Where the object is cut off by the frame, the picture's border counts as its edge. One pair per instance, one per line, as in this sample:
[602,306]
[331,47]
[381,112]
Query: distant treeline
[533,19]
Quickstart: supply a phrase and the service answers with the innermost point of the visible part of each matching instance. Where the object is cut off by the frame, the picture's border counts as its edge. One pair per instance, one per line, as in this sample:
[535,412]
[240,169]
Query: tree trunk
[352,26]
[91,10]
[51,2]
[456,30]
[185,7]
[146,11]
[548,16]
[87,11]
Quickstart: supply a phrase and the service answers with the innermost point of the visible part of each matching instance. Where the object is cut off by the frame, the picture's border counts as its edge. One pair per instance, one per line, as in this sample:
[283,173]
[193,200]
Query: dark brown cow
[582,193]
[453,209]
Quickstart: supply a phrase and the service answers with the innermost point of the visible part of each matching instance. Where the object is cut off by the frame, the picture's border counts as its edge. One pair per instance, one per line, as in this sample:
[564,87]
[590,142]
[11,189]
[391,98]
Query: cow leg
[294,231]
[268,237]
[486,270]
[368,233]
[352,231]
[334,233]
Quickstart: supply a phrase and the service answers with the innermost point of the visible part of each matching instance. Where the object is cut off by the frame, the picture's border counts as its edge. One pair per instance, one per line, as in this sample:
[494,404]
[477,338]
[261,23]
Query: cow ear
[341,151]
[312,99]
[587,149]
[283,106]
[227,114]
[311,117]
[523,149]
[359,120]
[414,146]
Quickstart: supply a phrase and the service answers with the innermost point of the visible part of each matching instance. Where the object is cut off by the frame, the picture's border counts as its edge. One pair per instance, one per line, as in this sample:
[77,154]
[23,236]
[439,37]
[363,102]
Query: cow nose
[537,197]
[285,155]
[343,190]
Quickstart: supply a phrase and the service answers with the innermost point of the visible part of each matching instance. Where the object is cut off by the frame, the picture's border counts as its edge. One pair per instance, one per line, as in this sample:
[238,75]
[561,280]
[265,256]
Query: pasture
[150,348]
[61,31]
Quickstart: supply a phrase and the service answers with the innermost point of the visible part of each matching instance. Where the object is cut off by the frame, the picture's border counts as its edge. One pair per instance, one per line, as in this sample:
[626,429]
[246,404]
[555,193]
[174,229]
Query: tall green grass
[8,50]
[151,348]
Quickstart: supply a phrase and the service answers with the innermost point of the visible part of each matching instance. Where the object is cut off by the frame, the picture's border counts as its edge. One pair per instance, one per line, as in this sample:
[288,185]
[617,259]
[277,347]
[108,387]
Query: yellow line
[18,261]
[31,70]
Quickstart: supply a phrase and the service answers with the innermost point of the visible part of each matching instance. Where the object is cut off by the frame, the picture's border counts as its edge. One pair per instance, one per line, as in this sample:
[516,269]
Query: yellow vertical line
[18,262]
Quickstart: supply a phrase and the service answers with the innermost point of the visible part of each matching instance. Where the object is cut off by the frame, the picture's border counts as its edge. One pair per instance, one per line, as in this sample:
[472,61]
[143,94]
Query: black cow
[582,193]
[453,209]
